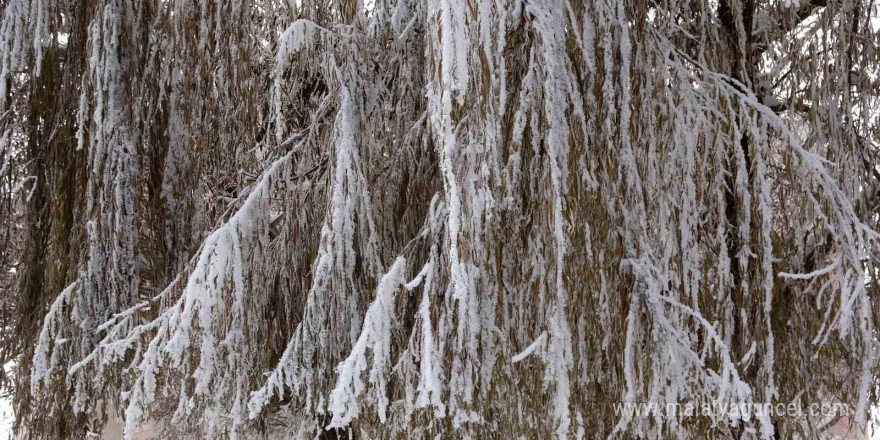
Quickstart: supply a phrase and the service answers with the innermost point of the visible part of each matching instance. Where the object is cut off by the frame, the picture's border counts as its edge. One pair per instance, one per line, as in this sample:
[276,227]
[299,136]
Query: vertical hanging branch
[609,188]
[549,23]
[110,276]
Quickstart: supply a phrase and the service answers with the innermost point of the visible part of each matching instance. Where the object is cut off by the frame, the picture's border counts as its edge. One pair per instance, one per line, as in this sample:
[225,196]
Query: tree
[460,218]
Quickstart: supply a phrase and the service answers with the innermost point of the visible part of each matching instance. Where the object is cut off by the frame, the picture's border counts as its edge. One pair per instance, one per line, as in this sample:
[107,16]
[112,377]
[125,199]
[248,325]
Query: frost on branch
[376,336]
[583,204]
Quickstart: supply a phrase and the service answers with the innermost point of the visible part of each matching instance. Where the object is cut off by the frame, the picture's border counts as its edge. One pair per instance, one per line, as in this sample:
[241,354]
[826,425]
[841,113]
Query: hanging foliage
[438,219]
